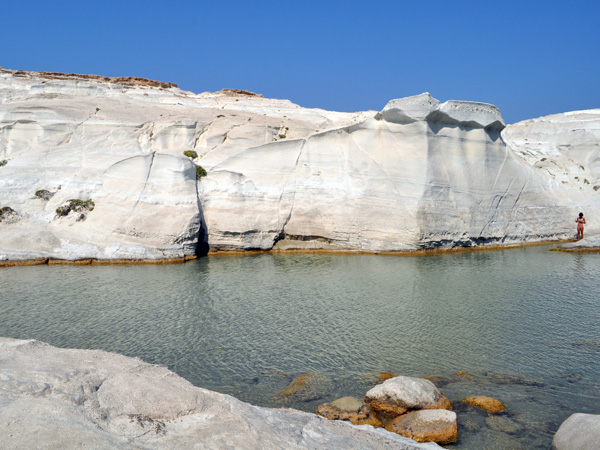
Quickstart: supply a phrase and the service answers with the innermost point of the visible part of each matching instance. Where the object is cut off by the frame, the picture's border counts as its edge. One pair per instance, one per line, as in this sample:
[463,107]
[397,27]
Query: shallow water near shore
[523,324]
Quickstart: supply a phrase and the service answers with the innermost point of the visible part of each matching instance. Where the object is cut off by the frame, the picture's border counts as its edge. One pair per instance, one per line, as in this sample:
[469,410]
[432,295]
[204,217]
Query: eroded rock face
[434,425]
[419,174]
[120,142]
[56,398]
[398,395]
[564,149]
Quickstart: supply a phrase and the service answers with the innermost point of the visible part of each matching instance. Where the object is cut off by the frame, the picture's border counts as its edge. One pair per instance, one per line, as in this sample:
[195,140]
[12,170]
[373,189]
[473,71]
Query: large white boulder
[398,395]
[56,398]
[578,432]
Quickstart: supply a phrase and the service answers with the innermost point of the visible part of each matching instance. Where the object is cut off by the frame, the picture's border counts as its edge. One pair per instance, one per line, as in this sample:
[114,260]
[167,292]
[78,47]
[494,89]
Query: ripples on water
[246,325]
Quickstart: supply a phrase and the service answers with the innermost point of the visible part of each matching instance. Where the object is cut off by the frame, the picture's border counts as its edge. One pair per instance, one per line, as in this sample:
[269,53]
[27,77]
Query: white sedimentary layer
[419,174]
[56,398]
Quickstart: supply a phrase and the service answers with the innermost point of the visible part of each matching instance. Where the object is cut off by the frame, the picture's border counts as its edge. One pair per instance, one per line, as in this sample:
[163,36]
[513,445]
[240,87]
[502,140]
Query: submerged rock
[350,409]
[59,398]
[504,424]
[386,376]
[503,378]
[398,395]
[487,404]
[305,388]
[465,375]
[433,425]
[588,344]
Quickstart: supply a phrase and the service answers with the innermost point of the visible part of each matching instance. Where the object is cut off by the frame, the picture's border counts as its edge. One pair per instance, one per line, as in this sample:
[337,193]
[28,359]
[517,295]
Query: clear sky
[529,58]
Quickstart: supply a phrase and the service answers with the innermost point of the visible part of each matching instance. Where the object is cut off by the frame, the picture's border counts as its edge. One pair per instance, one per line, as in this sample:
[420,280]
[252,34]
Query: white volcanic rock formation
[56,398]
[120,143]
[419,174]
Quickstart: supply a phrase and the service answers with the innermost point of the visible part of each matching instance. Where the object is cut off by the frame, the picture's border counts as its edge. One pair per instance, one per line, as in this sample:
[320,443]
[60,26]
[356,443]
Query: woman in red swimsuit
[580,222]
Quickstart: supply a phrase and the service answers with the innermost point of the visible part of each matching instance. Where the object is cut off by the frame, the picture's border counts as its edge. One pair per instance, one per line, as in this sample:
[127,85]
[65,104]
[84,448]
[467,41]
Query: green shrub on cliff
[6,211]
[200,172]
[3,162]
[75,205]
[44,194]
[191,154]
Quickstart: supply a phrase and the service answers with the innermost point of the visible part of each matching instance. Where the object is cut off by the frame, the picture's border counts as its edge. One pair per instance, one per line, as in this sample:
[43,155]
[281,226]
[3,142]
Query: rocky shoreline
[51,397]
[587,247]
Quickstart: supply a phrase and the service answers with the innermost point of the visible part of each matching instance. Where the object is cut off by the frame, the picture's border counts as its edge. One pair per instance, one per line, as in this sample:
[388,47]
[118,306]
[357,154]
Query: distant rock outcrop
[126,81]
[417,175]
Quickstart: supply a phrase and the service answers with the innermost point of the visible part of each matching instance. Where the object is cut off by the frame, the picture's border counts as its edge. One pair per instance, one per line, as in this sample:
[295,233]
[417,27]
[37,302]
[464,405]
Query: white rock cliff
[419,174]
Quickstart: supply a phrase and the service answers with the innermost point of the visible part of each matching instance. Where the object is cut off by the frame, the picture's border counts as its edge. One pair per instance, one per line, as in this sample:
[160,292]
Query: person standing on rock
[580,222]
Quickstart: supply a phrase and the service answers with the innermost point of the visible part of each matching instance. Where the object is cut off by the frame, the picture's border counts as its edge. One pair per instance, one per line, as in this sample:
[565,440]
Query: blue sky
[529,58]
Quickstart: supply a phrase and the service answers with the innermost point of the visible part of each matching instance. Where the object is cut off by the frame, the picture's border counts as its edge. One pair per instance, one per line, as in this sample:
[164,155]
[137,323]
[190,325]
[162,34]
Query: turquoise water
[524,323]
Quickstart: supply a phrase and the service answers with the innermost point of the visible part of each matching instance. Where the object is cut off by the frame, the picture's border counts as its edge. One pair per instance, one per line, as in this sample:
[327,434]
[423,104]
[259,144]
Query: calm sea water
[523,323]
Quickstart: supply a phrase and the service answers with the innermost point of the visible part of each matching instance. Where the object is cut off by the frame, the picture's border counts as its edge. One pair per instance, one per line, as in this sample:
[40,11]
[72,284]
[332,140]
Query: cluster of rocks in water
[415,408]
[411,407]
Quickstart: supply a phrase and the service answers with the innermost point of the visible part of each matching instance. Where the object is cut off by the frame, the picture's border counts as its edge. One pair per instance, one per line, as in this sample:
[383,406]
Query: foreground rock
[398,395]
[578,432]
[56,398]
[433,425]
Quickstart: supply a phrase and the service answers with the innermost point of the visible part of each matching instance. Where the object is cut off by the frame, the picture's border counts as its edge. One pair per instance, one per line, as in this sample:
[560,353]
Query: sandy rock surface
[60,398]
